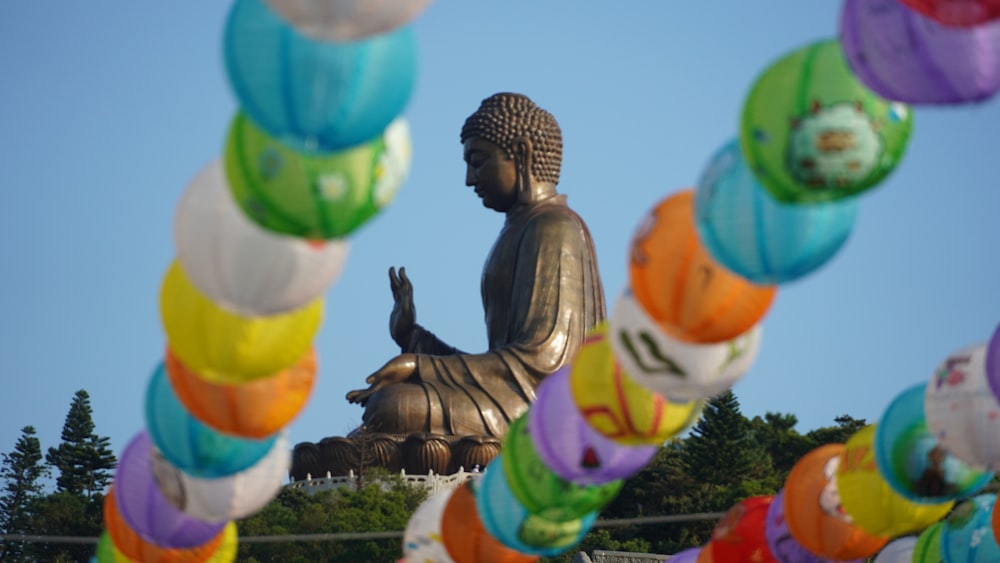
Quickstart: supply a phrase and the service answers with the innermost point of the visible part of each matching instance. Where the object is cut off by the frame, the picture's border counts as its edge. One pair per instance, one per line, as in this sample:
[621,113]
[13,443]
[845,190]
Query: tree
[721,450]
[84,459]
[22,468]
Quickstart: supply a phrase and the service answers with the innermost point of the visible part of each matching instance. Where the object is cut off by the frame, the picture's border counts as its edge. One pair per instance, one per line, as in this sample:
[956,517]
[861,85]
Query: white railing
[432,482]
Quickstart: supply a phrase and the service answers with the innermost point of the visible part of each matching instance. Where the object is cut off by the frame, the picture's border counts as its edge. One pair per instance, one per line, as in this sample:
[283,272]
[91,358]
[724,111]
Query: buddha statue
[441,407]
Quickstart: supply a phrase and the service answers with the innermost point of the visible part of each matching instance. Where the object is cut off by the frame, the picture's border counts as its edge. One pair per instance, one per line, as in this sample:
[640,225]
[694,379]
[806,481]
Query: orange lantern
[682,287]
[813,512]
[135,548]
[255,409]
[465,538]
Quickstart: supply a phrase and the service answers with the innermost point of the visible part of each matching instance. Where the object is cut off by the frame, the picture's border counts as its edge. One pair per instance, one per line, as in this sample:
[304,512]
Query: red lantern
[957,13]
[739,535]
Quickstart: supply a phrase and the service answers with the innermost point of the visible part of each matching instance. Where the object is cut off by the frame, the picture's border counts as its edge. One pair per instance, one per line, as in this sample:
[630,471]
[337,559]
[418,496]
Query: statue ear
[522,164]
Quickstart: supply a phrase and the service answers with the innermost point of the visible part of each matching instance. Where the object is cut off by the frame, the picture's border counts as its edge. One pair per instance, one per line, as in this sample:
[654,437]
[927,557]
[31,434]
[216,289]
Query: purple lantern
[146,510]
[568,445]
[686,556]
[779,538]
[993,362]
[904,56]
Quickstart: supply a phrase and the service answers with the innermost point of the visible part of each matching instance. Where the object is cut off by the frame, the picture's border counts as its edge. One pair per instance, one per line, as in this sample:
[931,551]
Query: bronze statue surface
[541,292]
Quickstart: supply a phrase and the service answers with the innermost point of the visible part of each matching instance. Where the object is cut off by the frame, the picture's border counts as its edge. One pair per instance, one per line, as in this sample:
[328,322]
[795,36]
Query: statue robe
[541,293]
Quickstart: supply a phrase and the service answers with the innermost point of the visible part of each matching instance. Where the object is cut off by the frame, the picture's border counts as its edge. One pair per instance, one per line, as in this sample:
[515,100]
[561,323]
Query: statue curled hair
[504,117]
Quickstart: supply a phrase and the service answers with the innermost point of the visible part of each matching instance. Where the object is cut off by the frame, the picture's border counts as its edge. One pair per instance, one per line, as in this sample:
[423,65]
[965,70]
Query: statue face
[492,173]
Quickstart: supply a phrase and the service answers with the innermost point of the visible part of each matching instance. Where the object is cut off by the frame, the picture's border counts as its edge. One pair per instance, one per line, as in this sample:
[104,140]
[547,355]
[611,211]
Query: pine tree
[84,459]
[721,449]
[22,468]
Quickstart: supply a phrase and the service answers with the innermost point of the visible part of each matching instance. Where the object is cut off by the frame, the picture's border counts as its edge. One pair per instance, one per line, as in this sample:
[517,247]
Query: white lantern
[347,20]
[962,412]
[422,538]
[680,371]
[226,498]
[898,551]
[241,266]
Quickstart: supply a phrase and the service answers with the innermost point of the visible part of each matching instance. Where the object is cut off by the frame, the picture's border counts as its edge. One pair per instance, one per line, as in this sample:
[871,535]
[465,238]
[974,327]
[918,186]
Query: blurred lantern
[228,548]
[758,237]
[135,548]
[913,462]
[618,407]
[905,56]
[225,498]
[107,552]
[190,445]
[784,548]
[539,490]
[739,535]
[465,537]
[957,13]
[567,444]
[682,287]
[898,551]
[347,20]
[256,409]
[314,196]
[510,523]
[686,556]
[682,371]
[145,508]
[993,363]
[815,516]
[422,539]
[873,505]
[967,535]
[928,546]
[812,132]
[962,412]
[313,95]
[240,266]
[226,348]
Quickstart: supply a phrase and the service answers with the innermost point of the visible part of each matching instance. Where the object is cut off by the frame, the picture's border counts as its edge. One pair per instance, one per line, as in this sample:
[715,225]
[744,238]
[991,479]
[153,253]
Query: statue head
[513,150]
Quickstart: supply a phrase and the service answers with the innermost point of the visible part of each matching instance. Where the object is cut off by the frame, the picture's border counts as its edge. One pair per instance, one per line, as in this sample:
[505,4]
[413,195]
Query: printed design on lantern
[650,358]
[834,146]
[829,496]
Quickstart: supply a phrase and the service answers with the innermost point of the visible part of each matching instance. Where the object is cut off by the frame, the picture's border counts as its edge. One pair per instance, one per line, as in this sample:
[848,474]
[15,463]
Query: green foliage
[64,514]
[84,460]
[22,468]
[721,450]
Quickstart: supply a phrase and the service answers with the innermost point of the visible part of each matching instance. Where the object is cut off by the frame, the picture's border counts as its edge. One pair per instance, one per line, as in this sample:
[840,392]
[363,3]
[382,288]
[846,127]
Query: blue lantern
[191,446]
[754,235]
[967,534]
[316,96]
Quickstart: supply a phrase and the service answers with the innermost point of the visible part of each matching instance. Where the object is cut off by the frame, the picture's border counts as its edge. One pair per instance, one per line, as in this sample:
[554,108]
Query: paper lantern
[228,547]
[347,20]
[240,266]
[812,132]
[758,237]
[145,508]
[422,538]
[314,196]
[190,445]
[539,490]
[107,552]
[815,516]
[465,537]
[872,503]
[993,363]
[618,407]
[962,412]
[682,371]
[967,534]
[225,498]
[898,551]
[958,13]
[739,535]
[316,96]
[566,443]
[135,548]
[223,347]
[682,287]
[903,55]
[510,523]
[928,546]
[911,460]
[256,409]
[780,541]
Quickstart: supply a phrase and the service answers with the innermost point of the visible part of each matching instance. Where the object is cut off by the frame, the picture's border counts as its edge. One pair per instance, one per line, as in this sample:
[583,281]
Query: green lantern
[812,132]
[542,492]
[928,548]
[314,196]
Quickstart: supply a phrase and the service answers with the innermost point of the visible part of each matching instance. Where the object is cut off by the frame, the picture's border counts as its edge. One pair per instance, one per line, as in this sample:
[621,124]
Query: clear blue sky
[109,107]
